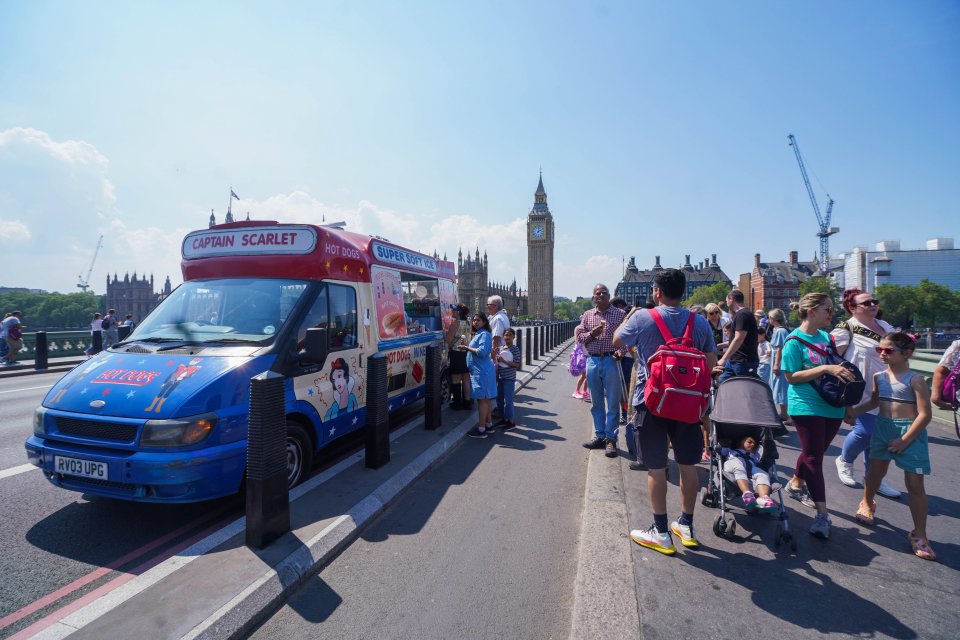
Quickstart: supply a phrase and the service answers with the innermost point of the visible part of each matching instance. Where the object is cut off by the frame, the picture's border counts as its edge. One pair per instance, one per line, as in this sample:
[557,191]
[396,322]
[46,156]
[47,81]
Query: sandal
[866,515]
[921,547]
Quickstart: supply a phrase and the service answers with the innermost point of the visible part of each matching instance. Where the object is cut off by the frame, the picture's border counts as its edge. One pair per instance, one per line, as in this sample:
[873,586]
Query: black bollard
[520,342]
[123,332]
[529,341]
[536,343]
[378,413]
[543,340]
[268,499]
[97,342]
[40,351]
[433,400]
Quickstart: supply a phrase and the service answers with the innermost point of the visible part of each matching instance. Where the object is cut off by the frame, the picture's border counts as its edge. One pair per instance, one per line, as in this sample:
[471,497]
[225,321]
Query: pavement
[219,588]
[861,583]
[864,582]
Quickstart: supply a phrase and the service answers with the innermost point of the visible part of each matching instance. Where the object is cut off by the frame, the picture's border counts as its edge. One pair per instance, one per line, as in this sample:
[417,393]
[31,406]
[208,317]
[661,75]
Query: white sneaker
[845,472]
[821,526]
[887,491]
[653,539]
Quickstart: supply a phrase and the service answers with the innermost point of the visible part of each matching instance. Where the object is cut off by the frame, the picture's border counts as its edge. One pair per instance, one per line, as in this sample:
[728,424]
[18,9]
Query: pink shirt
[591,320]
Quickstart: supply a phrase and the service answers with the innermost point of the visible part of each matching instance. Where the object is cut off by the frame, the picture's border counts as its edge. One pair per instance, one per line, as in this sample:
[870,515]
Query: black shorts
[653,433]
[458,362]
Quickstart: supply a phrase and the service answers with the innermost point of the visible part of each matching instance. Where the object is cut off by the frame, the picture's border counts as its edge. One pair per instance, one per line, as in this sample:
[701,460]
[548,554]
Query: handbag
[835,391]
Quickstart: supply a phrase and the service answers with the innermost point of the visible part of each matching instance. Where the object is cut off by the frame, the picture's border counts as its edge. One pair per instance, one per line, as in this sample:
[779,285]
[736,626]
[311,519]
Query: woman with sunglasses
[483,374]
[816,421]
[857,338]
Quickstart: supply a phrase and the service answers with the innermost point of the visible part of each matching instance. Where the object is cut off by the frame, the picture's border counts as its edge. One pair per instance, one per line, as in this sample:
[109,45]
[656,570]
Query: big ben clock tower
[540,256]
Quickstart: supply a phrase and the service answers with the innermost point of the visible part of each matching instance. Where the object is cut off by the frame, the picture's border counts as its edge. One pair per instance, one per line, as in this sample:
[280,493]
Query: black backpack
[106,323]
[834,391]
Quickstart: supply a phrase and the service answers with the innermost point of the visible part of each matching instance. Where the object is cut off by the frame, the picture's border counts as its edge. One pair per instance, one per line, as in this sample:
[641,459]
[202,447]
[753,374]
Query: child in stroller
[741,466]
[744,419]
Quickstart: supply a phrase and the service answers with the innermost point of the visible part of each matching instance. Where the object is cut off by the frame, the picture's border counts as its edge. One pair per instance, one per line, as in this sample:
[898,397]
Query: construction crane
[824,221]
[84,283]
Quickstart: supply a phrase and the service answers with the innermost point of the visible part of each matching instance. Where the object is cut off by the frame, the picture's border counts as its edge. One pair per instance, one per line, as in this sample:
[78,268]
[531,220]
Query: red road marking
[64,591]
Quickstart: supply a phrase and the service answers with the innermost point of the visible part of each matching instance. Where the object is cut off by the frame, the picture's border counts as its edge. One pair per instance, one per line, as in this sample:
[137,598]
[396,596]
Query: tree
[571,309]
[716,292]
[936,304]
[897,303]
[53,310]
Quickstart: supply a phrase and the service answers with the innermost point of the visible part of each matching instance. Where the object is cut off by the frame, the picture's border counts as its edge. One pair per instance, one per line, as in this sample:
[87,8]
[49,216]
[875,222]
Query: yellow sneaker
[653,539]
[685,532]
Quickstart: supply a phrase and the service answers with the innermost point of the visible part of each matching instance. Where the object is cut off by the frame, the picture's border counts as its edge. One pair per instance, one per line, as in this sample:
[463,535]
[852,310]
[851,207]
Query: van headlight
[39,415]
[177,433]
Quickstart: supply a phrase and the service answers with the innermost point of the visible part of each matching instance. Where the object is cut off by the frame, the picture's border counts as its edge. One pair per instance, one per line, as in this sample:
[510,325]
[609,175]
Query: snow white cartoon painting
[343,399]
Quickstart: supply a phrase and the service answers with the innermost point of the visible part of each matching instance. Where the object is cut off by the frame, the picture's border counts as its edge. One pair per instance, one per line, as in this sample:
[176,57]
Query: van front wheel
[299,454]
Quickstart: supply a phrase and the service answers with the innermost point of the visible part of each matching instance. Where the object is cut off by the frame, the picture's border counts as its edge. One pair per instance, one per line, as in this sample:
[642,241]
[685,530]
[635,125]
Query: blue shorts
[913,459]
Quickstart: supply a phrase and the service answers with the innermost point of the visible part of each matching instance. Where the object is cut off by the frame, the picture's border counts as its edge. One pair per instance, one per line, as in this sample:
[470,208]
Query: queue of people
[12,327]
[109,326]
[888,421]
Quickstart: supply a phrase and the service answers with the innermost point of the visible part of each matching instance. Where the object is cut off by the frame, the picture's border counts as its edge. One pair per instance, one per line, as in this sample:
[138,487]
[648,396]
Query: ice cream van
[162,416]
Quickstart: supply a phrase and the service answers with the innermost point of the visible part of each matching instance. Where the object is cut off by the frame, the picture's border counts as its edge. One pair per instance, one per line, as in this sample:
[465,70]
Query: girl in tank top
[899,435]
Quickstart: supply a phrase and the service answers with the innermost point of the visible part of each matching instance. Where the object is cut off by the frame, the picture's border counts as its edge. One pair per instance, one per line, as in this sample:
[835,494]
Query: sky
[660,128]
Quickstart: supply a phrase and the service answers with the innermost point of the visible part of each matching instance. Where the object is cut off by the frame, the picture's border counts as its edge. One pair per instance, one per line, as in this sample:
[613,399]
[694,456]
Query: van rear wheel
[299,454]
[445,385]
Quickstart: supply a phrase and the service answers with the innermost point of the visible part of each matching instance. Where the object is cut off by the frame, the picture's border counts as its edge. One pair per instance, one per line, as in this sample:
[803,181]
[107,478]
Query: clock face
[537,231]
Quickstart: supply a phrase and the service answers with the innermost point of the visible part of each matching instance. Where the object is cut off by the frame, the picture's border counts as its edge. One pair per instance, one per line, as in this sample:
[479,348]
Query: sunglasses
[868,303]
[885,351]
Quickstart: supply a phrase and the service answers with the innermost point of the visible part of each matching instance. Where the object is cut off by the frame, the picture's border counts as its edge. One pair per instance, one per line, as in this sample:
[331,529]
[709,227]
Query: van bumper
[188,476]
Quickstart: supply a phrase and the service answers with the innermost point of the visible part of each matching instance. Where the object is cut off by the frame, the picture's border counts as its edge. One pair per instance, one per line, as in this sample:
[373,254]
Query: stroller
[743,406]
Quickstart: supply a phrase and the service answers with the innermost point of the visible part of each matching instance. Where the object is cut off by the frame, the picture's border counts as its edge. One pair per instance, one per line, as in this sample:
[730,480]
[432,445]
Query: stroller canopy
[746,401]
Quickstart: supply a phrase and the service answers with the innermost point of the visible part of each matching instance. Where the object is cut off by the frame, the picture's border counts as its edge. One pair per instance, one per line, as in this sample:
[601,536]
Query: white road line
[26,389]
[12,471]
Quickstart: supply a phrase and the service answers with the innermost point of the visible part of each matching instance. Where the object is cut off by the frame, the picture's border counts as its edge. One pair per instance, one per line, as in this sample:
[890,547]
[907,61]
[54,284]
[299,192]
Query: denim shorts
[913,459]
[653,433]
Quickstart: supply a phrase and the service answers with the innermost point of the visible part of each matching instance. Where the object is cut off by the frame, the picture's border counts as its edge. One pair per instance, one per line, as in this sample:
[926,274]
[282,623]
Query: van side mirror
[315,345]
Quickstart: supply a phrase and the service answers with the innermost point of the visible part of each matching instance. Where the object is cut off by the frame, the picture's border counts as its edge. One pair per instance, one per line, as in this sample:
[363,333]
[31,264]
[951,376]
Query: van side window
[316,318]
[335,310]
[343,317]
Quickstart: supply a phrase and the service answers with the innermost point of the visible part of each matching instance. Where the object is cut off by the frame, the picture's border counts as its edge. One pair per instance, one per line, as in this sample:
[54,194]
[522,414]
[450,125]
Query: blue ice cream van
[162,416]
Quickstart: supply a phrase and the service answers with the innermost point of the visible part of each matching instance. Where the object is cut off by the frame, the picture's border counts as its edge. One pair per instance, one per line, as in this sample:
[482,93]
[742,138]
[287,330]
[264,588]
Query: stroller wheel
[719,526]
[731,529]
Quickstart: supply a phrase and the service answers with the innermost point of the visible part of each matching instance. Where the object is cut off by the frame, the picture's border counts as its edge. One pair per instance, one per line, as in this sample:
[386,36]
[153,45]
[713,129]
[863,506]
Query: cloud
[504,243]
[578,279]
[56,198]
[13,231]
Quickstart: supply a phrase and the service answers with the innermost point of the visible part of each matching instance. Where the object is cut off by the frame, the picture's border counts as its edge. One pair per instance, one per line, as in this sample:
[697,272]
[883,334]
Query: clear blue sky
[661,128]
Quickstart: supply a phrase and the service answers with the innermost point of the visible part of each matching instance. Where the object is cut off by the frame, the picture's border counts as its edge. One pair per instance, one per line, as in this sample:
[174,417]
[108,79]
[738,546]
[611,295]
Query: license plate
[78,467]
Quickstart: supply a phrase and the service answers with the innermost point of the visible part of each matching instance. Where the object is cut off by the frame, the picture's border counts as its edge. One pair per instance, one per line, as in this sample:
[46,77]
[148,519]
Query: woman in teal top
[816,421]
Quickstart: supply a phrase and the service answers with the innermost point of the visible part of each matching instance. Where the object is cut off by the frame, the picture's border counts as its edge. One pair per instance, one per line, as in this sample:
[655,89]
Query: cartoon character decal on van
[181,373]
[343,384]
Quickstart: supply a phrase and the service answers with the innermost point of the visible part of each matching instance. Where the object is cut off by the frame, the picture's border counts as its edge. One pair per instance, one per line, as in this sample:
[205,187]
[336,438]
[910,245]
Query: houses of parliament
[474,285]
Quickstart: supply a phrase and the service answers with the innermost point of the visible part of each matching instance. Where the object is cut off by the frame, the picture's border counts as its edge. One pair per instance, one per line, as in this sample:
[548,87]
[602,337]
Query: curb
[603,553]
[254,603]
[24,370]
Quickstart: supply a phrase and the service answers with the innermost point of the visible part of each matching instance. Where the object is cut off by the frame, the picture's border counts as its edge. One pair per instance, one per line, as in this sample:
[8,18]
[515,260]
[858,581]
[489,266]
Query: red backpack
[679,381]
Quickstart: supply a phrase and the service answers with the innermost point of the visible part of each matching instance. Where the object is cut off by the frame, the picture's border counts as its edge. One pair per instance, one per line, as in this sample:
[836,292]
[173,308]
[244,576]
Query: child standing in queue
[508,362]
[899,435]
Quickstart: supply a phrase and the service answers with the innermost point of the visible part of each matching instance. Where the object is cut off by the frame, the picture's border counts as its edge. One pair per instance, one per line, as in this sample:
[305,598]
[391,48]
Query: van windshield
[227,310]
